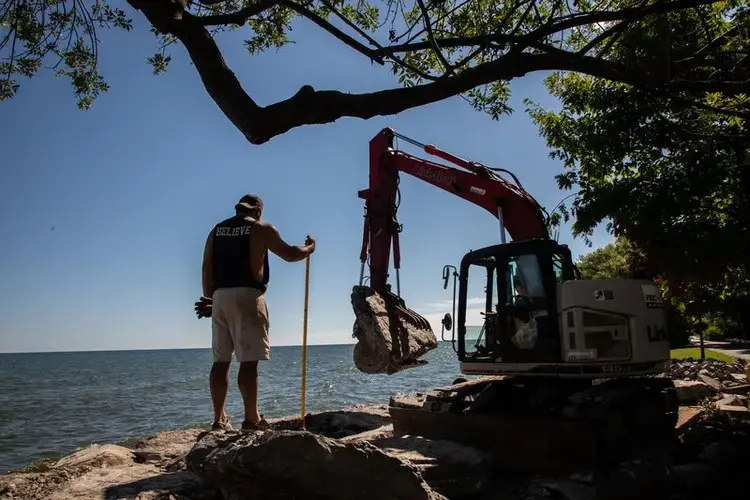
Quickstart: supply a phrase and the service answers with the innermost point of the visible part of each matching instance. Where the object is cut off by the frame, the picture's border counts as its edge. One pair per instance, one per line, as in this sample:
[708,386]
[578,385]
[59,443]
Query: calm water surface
[54,403]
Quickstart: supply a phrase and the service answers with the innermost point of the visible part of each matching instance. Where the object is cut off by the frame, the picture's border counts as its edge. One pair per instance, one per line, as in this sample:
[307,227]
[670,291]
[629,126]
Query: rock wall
[354,454]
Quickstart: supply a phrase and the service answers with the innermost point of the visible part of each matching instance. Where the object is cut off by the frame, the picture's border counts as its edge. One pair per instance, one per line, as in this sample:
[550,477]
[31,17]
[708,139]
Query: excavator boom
[517,211]
[387,329]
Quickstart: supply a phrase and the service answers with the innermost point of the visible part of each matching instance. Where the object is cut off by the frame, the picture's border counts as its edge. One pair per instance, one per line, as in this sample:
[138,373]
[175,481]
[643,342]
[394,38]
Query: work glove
[203,307]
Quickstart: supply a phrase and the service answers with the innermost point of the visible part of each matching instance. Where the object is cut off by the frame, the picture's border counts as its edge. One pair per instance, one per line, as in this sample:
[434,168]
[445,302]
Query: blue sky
[105,212]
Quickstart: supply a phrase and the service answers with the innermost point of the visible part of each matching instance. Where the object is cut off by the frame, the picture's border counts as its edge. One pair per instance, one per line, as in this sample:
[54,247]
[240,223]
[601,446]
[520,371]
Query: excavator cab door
[518,320]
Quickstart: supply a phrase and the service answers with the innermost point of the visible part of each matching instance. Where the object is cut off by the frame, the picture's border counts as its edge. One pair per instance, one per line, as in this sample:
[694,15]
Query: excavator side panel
[612,321]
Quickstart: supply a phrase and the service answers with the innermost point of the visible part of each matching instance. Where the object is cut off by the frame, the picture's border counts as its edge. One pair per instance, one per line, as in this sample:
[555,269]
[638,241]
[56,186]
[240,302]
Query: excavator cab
[516,321]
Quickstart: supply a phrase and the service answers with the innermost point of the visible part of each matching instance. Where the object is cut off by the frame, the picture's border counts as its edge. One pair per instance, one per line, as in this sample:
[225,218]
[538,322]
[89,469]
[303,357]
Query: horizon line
[173,348]
[159,349]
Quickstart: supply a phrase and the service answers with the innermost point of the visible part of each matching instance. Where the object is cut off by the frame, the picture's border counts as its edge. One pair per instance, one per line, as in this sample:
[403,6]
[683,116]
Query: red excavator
[542,325]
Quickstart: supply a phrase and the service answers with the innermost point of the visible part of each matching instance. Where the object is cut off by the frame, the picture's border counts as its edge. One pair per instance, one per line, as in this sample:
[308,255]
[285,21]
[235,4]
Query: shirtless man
[235,278]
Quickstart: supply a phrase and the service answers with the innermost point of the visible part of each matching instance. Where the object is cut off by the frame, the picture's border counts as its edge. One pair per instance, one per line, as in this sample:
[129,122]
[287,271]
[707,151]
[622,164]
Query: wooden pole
[304,340]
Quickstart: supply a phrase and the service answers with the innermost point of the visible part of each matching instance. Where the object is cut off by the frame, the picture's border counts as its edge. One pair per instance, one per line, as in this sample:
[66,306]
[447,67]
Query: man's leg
[247,380]
[223,348]
[251,346]
[219,382]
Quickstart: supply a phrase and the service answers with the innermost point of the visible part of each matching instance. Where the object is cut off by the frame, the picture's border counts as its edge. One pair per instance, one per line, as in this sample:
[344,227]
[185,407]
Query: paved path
[726,348]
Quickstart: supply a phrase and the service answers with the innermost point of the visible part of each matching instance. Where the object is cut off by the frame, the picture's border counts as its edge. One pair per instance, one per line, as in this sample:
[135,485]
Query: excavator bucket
[391,337]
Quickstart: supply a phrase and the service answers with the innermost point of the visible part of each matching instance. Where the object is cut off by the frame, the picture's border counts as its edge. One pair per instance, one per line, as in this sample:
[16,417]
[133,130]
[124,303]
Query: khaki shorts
[239,323]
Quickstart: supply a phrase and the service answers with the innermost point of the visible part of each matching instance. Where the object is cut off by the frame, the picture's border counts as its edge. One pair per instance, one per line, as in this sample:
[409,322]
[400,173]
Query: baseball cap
[250,202]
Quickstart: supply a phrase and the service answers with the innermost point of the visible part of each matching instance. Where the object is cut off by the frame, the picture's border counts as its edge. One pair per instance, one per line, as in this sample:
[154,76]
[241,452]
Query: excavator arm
[393,337]
[517,211]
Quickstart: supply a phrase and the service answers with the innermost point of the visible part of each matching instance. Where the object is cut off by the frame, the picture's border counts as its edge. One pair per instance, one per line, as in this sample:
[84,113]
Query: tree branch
[727,88]
[220,82]
[616,29]
[239,17]
[351,42]
[625,15]
[431,38]
[260,124]
[630,14]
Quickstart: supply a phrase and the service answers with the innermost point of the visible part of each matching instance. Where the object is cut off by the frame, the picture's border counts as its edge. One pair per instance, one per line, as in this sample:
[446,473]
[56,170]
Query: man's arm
[290,253]
[208,269]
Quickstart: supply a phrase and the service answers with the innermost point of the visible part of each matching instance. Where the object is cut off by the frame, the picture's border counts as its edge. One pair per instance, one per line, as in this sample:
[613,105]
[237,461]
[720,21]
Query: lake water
[53,403]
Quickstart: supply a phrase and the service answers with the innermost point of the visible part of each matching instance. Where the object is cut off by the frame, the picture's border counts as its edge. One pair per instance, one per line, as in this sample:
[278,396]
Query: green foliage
[667,171]
[679,326]
[615,260]
[61,32]
[718,326]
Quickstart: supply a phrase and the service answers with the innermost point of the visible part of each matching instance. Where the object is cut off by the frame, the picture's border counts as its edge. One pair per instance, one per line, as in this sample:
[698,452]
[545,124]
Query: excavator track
[554,425]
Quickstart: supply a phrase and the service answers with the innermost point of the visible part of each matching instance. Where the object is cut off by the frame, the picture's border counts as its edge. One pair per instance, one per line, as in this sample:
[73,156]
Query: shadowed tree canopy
[435,48]
[671,175]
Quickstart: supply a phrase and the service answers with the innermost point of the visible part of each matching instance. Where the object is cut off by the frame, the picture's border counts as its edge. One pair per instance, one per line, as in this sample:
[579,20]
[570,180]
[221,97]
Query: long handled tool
[304,340]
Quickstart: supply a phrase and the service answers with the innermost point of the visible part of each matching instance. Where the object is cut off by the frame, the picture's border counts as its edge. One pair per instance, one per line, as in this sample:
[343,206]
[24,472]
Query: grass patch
[695,353]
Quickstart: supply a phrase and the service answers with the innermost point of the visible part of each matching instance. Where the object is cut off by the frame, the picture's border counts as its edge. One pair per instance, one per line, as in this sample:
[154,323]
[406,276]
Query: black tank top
[231,255]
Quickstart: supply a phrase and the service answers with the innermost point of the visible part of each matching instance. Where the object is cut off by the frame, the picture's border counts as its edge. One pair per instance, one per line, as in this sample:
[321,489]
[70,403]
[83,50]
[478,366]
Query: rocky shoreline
[353,453]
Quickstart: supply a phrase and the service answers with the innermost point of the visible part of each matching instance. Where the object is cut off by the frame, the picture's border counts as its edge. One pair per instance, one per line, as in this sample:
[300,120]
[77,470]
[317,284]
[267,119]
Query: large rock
[298,464]
[634,479]
[714,372]
[106,455]
[340,423]
[692,391]
[166,448]
[688,415]
[387,341]
[543,488]
[451,469]
[107,472]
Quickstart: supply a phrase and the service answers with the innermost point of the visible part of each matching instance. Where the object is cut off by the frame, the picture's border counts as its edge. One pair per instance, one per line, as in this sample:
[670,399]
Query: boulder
[693,480]
[710,381]
[166,447]
[106,455]
[722,454]
[452,469]
[634,479]
[743,389]
[106,472]
[691,391]
[687,415]
[370,436]
[729,399]
[563,489]
[735,411]
[298,464]
[387,341]
[340,423]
